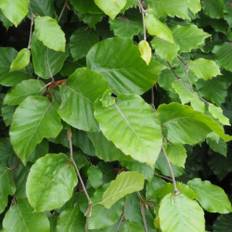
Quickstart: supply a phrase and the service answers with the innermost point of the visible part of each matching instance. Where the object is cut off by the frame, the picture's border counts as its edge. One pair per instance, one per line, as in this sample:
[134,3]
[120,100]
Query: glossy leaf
[211,197]
[124,184]
[34,119]
[179,213]
[126,72]
[124,124]
[48,31]
[50,182]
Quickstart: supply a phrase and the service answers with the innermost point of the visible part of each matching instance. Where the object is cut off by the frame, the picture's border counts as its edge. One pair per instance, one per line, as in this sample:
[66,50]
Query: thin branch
[62,10]
[90,203]
[142,210]
[176,191]
[143,13]
[122,217]
[163,177]
[31,30]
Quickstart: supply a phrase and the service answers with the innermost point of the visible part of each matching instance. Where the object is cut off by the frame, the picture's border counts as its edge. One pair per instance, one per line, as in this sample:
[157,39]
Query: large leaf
[131,125]
[78,95]
[179,213]
[21,218]
[23,90]
[49,33]
[110,7]
[120,62]
[7,186]
[15,10]
[211,197]
[34,119]
[42,7]
[46,62]
[186,126]
[50,182]
[124,184]
[213,8]
[189,37]
[224,55]
[156,28]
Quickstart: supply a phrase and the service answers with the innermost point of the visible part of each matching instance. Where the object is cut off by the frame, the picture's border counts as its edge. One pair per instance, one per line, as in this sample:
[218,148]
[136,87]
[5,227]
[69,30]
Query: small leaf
[179,213]
[157,28]
[214,8]
[95,177]
[124,184]
[211,197]
[111,7]
[21,60]
[50,182]
[204,69]
[15,10]
[34,119]
[48,31]
[145,51]
[131,125]
[21,217]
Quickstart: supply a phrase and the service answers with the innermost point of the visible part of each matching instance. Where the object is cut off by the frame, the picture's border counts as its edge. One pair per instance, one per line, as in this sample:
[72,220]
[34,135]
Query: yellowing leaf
[145,51]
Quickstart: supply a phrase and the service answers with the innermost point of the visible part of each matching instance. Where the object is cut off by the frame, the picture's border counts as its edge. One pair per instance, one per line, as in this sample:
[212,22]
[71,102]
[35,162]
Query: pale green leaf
[126,72]
[211,197]
[7,186]
[185,126]
[124,184]
[50,182]
[179,213]
[48,31]
[15,11]
[145,51]
[21,60]
[204,68]
[34,119]
[111,7]
[156,28]
[189,37]
[78,94]
[46,62]
[22,90]
[131,125]
[21,218]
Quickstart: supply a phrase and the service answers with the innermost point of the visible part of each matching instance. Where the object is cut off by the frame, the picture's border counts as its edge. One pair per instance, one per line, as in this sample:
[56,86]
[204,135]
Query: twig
[62,10]
[143,13]
[142,210]
[31,30]
[176,191]
[163,177]
[90,203]
[120,221]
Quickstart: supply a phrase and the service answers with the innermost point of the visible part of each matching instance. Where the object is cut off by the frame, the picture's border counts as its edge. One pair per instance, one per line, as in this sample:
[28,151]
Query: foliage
[115,115]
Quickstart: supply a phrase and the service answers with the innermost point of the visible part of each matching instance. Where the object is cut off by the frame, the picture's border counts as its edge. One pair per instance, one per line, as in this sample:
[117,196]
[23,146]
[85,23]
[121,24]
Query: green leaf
[211,197]
[145,51]
[48,31]
[217,144]
[34,119]
[42,7]
[21,60]
[111,7]
[132,126]
[179,213]
[213,8]
[156,28]
[95,177]
[223,223]
[126,72]
[223,55]
[7,186]
[46,62]
[7,55]
[189,37]
[21,217]
[15,10]
[183,125]
[50,182]
[22,90]
[70,220]
[204,69]
[132,227]
[81,41]
[124,184]
[78,95]
[166,50]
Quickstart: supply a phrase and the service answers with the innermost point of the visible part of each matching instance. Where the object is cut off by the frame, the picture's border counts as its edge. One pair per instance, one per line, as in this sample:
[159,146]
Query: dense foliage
[115,115]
